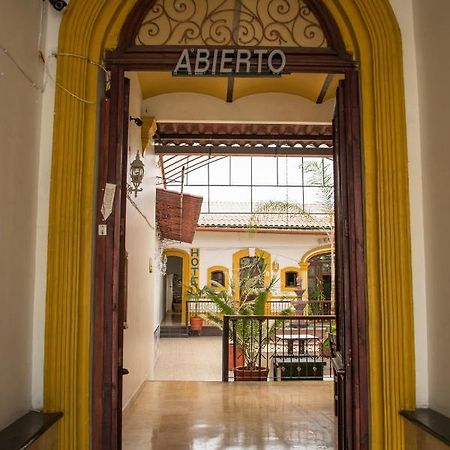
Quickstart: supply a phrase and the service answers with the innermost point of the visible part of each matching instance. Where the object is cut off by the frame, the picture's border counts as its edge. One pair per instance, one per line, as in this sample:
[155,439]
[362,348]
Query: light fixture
[136,175]
[137,121]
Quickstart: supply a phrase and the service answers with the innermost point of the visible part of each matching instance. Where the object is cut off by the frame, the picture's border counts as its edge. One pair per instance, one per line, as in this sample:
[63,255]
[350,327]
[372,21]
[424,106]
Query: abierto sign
[230,62]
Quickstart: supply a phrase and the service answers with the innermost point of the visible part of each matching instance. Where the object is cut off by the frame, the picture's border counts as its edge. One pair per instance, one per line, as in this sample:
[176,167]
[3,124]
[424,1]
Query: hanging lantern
[136,174]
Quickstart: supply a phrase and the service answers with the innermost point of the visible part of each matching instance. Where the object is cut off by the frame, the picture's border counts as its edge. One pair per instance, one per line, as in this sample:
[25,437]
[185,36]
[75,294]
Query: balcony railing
[273,307]
[278,348]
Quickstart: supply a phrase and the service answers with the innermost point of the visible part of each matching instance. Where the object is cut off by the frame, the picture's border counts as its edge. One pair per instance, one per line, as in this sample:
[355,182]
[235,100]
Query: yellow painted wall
[370,29]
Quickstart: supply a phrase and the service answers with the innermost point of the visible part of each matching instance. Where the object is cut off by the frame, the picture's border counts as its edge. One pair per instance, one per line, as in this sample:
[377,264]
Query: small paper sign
[108,200]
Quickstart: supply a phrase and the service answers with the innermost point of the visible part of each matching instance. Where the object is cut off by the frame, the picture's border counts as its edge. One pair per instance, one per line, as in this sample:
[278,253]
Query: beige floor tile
[213,415]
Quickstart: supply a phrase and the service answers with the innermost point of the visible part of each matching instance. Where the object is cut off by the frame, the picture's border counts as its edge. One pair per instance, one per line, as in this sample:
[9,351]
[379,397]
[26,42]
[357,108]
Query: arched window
[319,277]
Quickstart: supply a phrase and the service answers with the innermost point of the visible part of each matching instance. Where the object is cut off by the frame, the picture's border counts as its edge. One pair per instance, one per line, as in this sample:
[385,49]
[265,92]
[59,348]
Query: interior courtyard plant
[246,297]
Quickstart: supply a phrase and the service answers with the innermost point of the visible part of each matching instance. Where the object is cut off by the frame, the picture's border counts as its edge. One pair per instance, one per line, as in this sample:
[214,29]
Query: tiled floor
[204,414]
[214,415]
[197,359]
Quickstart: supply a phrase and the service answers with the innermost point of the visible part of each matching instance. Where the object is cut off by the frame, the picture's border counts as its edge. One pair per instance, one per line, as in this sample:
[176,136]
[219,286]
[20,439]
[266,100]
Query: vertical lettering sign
[195,267]
[230,62]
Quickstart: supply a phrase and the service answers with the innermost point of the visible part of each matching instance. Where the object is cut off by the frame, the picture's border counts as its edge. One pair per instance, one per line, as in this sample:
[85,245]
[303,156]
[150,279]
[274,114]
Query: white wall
[20,109]
[43,205]
[431,19]
[404,13]
[217,249]
[140,244]
[253,108]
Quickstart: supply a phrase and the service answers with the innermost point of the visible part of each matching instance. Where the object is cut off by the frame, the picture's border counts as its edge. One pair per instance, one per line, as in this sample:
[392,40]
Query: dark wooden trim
[230,90]
[325,87]
[242,151]
[27,430]
[123,262]
[164,60]
[351,308]
[106,399]
[431,421]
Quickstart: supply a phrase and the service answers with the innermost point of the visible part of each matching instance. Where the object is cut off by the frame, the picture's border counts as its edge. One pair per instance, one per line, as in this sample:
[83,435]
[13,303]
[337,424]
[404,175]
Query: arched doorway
[70,251]
[196,40]
[175,286]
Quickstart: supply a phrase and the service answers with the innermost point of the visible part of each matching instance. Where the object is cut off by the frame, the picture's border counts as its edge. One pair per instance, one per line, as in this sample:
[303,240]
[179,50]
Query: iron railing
[273,307]
[278,348]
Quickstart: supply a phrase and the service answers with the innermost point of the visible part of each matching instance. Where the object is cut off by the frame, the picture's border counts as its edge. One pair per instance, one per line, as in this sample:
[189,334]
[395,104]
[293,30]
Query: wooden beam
[230,89]
[325,87]
[243,151]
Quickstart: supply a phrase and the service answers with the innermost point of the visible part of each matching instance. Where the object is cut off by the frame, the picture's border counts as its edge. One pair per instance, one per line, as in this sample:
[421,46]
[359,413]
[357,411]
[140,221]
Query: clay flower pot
[251,374]
[196,324]
[239,356]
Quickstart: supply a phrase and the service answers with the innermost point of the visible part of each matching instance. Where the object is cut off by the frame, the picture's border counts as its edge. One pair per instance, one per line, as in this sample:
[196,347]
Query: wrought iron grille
[256,23]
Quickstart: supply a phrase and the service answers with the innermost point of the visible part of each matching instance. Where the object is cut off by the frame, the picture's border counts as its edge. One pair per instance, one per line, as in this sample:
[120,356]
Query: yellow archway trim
[148,130]
[186,276]
[283,278]
[371,31]
[217,269]
[244,253]
[316,251]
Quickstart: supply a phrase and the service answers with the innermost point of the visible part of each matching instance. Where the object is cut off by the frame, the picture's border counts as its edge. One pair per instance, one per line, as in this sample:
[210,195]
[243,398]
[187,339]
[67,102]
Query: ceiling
[313,86]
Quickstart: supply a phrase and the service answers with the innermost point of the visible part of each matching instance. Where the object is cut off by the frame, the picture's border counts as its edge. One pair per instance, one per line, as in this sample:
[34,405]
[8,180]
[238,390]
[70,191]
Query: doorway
[349,204]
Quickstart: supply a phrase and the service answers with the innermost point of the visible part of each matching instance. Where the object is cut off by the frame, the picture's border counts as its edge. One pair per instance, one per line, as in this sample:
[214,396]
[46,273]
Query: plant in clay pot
[250,336]
[195,321]
[325,347]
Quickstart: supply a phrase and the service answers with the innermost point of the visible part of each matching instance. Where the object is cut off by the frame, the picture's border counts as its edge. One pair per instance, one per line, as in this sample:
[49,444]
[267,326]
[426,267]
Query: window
[290,279]
[319,277]
[218,277]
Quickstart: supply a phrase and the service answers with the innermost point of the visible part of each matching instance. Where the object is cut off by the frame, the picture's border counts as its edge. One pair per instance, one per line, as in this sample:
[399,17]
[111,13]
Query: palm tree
[320,176]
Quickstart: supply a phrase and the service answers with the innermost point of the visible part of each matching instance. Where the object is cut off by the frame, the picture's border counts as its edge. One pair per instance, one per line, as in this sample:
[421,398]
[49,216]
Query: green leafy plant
[252,292]
[326,344]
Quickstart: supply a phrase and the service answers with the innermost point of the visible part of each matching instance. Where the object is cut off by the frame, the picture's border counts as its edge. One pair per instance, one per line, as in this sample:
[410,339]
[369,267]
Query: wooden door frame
[163,58]
[357,379]
[110,268]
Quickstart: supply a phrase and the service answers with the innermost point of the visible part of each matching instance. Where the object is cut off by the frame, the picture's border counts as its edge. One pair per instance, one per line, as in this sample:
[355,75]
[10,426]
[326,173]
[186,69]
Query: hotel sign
[230,62]
[195,267]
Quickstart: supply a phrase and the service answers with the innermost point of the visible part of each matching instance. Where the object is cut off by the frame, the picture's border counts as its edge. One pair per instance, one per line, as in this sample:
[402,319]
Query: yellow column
[304,266]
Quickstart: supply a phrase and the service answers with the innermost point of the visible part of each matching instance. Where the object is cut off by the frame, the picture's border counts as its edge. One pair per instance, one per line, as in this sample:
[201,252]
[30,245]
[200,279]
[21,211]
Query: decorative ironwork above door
[233,23]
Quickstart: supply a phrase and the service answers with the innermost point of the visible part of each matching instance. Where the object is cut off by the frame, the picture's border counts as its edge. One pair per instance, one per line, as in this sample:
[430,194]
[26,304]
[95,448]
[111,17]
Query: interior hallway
[214,415]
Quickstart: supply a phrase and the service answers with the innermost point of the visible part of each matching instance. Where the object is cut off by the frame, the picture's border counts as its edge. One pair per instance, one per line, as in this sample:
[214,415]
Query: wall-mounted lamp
[136,175]
[59,5]
[137,121]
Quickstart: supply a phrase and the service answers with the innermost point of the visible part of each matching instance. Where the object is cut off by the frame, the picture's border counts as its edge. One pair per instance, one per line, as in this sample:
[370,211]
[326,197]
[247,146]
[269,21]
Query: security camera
[59,5]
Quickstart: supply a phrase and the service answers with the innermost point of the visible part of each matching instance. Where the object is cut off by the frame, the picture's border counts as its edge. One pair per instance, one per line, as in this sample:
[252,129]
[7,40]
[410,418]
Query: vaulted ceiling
[315,87]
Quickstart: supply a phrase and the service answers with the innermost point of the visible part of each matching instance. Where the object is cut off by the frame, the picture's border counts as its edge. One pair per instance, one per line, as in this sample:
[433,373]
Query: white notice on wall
[108,200]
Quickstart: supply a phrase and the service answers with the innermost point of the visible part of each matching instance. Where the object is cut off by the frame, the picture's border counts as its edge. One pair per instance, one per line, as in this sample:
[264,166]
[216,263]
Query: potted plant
[325,347]
[195,320]
[251,336]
